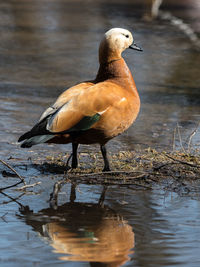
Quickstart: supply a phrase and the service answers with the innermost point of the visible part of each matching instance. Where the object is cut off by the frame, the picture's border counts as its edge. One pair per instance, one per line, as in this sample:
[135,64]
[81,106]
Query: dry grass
[142,168]
[174,171]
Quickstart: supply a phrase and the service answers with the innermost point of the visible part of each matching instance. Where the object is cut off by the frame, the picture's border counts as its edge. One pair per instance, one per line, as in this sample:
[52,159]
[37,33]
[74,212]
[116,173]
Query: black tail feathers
[25,136]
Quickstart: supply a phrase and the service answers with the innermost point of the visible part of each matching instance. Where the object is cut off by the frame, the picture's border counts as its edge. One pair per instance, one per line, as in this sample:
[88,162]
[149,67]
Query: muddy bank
[175,171]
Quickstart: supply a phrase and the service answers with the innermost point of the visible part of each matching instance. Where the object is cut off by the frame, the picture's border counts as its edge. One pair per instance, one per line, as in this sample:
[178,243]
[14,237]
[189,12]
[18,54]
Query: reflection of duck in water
[85,232]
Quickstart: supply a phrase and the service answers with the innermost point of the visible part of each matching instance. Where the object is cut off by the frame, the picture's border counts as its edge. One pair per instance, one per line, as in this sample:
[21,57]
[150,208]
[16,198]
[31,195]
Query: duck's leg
[106,162]
[74,155]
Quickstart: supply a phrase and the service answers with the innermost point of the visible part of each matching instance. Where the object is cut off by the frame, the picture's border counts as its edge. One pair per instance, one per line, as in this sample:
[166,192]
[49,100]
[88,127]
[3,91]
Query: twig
[125,184]
[137,177]
[27,186]
[53,200]
[180,138]
[109,172]
[127,178]
[81,177]
[13,199]
[163,165]
[11,168]
[7,202]
[191,136]
[10,186]
[174,137]
[183,162]
[3,217]
[102,197]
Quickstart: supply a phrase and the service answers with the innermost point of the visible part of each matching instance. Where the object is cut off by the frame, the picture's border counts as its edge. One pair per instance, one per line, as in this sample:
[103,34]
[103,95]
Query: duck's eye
[127,36]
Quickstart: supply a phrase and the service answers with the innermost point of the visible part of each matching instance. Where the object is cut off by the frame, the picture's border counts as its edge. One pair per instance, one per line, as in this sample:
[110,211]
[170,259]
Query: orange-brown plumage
[93,111]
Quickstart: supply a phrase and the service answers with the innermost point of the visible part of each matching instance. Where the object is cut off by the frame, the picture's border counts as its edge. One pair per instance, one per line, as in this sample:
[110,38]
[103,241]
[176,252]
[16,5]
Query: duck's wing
[79,112]
[63,99]
[82,111]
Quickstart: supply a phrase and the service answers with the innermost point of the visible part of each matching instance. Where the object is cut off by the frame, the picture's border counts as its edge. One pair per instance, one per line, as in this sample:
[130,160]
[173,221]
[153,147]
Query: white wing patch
[47,112]
[101,112]
[122,100]
[58,111]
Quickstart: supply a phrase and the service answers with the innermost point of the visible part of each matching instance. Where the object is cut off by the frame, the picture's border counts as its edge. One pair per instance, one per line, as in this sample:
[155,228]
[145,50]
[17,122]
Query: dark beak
[135,47]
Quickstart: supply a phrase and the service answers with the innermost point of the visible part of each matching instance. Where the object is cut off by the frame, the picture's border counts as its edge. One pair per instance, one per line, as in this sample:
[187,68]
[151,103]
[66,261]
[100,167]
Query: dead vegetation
[141,169]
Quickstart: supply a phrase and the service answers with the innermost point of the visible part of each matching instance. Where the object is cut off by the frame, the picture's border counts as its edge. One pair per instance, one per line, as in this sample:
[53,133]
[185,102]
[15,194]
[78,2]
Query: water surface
[46,47]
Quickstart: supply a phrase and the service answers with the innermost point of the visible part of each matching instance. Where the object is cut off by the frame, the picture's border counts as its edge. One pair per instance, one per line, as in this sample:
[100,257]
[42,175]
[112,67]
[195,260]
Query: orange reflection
[109,242]
[85,232]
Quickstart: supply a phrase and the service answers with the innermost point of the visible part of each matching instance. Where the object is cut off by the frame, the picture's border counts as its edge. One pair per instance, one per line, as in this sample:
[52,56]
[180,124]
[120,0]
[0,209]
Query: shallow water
[47,46]
[145,228]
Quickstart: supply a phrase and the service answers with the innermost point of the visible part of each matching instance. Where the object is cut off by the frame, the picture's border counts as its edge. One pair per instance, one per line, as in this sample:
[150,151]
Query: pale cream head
[115,41]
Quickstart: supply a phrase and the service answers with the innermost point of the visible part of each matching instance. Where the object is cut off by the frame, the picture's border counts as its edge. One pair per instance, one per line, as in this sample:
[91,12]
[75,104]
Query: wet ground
[47,46]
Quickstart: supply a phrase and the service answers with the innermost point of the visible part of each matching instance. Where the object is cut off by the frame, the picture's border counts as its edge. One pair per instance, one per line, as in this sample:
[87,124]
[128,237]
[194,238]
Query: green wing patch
[85,123]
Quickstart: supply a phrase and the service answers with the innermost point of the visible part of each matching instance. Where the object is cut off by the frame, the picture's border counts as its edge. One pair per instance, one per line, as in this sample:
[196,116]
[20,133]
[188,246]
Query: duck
[93,112]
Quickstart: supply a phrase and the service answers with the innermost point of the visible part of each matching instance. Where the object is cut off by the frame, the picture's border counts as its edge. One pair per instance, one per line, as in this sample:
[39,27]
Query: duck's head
[115,41]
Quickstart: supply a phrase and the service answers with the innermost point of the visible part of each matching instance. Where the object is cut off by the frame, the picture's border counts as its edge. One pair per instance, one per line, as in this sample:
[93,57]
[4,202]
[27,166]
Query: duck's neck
[117,71]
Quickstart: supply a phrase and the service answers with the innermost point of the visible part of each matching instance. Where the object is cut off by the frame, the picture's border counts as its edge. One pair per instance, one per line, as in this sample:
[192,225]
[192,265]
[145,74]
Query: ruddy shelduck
[93,111]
